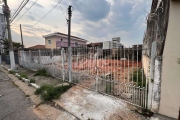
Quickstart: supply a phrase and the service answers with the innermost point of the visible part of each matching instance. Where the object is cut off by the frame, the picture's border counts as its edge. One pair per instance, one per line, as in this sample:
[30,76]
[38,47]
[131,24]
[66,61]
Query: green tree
[16,45]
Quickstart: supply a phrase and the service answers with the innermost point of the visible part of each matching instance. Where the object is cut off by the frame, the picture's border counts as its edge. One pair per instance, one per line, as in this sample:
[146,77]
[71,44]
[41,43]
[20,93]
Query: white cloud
[91,19]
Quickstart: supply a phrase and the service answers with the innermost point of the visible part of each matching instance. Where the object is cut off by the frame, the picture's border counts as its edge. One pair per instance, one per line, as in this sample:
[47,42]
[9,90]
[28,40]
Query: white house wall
[170,90]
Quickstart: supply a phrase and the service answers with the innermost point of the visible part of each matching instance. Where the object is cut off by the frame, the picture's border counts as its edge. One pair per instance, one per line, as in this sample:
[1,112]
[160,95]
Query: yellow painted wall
[170,86]
[53,41]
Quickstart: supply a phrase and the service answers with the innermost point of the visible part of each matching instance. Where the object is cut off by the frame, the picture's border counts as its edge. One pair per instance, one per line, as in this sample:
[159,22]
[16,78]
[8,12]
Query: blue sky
[94,20]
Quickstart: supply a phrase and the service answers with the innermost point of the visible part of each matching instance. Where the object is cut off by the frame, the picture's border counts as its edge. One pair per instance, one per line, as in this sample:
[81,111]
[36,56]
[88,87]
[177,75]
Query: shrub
[20,78]
[41,72]
[12,72]
[23,76]
[49,92]
[32,80]
[137,77]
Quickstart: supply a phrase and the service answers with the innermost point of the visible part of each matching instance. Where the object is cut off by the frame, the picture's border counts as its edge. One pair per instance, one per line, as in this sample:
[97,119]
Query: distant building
[115,43]
[2,31]
[2,26]
[116,39]
[95,44]
[37,47]
[60,40]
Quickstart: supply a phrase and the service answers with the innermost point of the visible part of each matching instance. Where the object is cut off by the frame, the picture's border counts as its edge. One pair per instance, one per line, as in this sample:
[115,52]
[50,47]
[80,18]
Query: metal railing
[116,72]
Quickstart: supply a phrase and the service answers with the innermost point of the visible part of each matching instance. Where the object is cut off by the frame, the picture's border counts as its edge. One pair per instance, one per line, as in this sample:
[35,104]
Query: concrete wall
[170,90]
[53,42]
[145,63]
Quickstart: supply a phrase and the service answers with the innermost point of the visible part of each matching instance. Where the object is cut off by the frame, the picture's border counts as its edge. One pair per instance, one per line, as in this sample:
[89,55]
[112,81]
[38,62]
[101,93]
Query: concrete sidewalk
[14,105]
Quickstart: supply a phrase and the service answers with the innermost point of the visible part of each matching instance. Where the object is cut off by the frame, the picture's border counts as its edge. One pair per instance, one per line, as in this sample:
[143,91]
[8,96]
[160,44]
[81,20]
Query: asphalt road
[14,105]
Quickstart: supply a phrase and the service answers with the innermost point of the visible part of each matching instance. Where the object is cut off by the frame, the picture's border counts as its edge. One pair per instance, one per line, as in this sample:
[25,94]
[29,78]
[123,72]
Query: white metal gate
[122,72]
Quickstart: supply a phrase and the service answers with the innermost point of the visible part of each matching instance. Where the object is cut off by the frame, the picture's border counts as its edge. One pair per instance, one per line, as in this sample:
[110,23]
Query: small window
[76,43]
[49,41]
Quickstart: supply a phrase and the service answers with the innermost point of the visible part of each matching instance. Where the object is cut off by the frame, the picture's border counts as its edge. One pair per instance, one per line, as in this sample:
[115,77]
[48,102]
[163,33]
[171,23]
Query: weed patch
[32,80]
[23,76]
[42,72]
[49,92]
[12,72]
[139,78]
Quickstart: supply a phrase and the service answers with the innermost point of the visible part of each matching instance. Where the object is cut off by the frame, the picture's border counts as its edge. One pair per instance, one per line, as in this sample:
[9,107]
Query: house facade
[60,40]
[2,26]
[162,39]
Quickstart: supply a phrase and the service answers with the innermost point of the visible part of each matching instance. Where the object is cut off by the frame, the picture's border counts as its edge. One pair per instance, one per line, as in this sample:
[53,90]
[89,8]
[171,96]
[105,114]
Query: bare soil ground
[40,80]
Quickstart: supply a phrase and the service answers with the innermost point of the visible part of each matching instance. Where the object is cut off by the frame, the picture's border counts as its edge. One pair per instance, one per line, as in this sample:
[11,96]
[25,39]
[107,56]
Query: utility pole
[21,37]
[6,12]
[69,25]
[69,45]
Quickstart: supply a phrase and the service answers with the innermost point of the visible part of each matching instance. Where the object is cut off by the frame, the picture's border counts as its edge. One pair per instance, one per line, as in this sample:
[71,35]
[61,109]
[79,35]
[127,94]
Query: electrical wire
[26,11]
[19,10]
[47,13]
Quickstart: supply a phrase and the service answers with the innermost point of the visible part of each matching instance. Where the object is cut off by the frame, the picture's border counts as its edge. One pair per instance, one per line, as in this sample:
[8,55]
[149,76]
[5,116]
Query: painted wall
[57,43]
[53,42]
[64,43]
[145,63]
[170,87]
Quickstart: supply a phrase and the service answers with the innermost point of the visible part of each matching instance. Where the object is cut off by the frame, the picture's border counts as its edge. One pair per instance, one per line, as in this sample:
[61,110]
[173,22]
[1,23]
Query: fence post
[156,86]
[70,63]
[20,60]
[23,59]
[52,60]
[40,59]
[62,57]
[151,77]
[30,59]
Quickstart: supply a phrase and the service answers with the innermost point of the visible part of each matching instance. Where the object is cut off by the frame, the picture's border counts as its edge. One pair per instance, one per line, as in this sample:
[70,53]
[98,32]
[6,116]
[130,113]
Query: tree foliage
[16,45]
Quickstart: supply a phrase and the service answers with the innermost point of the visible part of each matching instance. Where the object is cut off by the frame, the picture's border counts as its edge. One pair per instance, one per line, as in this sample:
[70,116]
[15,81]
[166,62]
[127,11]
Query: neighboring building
[162,38]
[2,26]
[2,31]
[112,44]
[96,44]
[60,40]
[37,47]
[115,43]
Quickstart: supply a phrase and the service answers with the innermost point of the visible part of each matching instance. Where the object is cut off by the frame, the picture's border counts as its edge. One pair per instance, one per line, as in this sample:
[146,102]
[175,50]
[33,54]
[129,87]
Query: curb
[22,79]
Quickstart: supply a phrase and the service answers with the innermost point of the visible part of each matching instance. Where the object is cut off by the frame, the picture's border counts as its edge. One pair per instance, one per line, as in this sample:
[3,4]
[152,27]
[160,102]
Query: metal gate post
[62,57]
[70,63]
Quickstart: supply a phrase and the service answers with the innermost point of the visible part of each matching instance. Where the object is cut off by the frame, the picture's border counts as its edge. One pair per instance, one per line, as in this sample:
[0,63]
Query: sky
[93,20]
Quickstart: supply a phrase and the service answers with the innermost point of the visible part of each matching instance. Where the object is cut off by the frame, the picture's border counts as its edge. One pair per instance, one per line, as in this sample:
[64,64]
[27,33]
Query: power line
[26,11]
[63,13]
[47,13]
[19,10]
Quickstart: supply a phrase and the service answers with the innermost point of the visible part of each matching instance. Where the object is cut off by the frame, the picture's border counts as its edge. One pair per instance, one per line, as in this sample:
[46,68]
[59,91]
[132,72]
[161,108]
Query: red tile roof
[37,47]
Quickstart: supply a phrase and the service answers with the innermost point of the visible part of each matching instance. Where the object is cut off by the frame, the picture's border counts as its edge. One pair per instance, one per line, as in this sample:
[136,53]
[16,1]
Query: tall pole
[69,25]
[21,37]
[69,45]
[6,12]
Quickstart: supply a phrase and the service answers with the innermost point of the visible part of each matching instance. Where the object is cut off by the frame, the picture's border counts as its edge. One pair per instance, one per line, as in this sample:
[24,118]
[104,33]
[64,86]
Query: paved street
[14,105]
